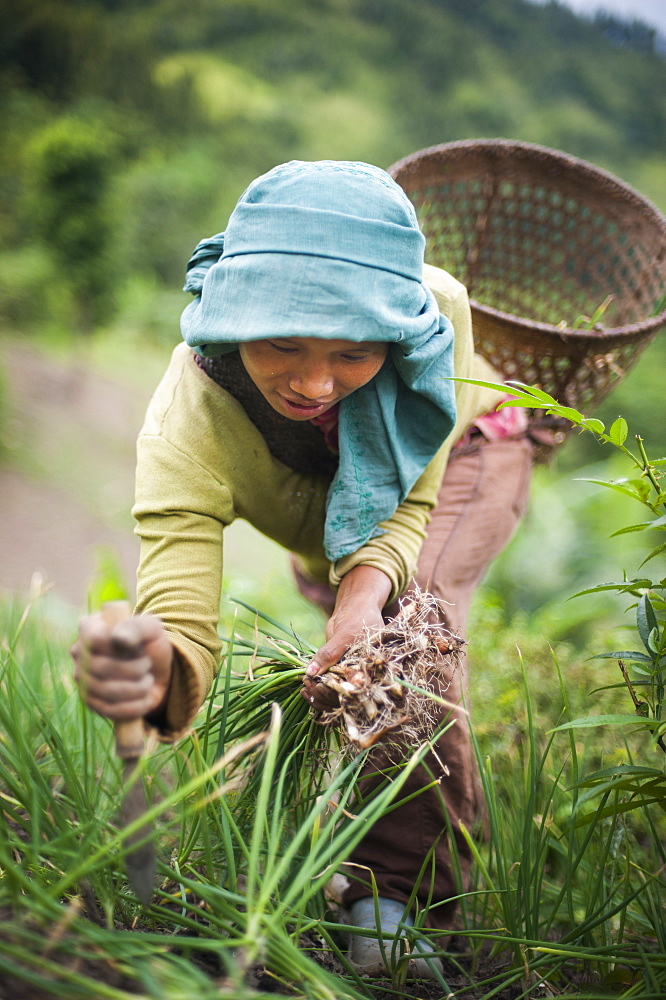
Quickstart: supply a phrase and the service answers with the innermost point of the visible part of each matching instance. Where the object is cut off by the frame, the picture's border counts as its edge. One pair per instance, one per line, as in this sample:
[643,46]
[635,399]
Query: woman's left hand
[362,594]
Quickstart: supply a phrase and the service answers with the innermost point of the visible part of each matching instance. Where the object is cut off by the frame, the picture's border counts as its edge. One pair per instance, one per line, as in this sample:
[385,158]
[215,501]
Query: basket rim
[531,148]
[570,162]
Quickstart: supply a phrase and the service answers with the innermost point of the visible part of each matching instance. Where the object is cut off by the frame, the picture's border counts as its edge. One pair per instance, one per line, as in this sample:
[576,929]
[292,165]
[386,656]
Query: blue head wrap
[333,249]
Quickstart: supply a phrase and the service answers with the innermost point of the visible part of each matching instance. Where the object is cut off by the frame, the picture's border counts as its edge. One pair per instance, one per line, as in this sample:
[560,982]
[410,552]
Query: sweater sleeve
[397,550]
[180,570]
[181,507]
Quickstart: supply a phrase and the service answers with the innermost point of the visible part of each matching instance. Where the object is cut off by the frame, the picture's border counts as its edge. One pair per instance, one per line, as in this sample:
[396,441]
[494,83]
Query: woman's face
[303,377]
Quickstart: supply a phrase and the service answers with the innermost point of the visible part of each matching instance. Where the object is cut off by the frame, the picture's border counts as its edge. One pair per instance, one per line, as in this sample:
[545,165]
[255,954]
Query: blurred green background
[130,127]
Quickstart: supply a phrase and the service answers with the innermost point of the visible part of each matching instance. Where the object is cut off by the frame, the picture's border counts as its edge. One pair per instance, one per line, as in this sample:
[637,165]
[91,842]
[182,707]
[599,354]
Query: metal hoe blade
[140,861]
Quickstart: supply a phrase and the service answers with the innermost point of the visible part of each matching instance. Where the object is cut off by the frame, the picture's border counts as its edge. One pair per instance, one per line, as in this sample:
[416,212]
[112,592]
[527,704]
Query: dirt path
[66,475]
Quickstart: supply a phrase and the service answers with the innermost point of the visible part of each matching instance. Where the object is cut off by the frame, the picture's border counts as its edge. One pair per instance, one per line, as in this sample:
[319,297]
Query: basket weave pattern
[541,239]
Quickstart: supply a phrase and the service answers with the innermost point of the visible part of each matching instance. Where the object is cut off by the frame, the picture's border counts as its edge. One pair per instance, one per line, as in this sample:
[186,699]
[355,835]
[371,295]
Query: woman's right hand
[123,672]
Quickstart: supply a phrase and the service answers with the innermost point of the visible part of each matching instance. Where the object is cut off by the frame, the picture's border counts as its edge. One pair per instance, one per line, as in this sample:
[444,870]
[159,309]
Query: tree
[72,162]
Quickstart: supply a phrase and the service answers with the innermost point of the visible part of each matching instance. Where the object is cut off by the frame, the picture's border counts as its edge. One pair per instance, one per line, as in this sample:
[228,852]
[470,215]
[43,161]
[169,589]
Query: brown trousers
[482,498]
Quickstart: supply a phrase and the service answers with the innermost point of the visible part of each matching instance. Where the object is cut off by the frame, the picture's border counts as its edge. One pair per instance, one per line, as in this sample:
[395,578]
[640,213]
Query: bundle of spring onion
[389,679]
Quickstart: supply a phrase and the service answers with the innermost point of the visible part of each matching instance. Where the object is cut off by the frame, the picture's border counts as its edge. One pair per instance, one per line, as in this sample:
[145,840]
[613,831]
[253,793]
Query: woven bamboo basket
[541,239]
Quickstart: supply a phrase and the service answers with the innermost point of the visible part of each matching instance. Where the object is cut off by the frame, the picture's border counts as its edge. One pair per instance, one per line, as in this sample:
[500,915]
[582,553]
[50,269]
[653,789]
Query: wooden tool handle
[129,735]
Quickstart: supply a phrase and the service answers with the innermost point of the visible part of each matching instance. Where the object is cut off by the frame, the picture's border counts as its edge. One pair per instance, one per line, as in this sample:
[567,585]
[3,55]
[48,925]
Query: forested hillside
[131,126]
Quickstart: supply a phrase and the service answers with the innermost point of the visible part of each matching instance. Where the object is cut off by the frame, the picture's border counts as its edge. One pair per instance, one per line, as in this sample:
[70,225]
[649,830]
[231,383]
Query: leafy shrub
[71,163]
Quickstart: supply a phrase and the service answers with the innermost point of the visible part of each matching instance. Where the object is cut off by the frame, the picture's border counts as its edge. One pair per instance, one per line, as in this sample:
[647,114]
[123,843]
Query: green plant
[248,831]
[646,486]
[573,905]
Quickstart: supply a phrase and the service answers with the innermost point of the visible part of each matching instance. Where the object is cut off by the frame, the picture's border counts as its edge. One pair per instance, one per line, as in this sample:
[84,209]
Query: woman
[313,397]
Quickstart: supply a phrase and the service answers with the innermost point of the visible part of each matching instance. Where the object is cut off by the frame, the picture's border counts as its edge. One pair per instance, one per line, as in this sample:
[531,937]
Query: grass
[567,890]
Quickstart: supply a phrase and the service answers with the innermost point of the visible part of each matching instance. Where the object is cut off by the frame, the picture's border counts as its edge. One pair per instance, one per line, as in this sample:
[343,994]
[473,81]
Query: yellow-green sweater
[201,463]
